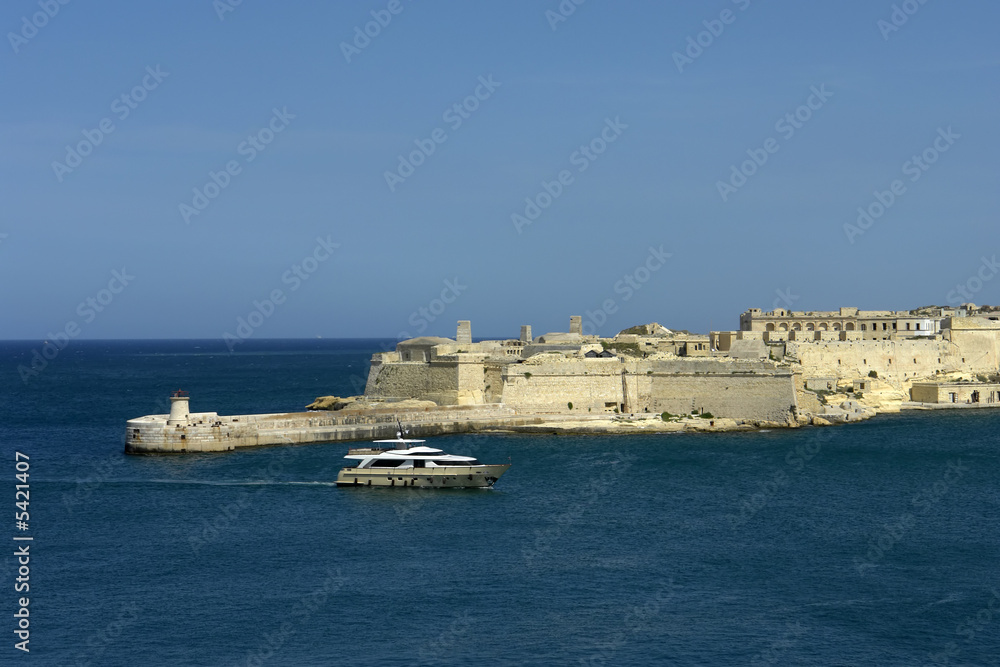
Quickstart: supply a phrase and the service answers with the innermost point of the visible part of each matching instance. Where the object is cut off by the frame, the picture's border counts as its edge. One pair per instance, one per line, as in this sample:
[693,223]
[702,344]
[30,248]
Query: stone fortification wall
[748,395]
[899,361]
[471,379]
[457,379]
[436,381]
[379,360]
[739,390]
[550,385]
[493,382]
[978,339]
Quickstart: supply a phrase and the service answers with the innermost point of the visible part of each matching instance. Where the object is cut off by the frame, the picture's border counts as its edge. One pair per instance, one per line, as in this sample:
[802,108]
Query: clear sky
[612,119]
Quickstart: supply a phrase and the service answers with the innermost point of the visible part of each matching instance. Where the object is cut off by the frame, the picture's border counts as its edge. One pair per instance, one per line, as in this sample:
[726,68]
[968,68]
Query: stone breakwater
[183,432]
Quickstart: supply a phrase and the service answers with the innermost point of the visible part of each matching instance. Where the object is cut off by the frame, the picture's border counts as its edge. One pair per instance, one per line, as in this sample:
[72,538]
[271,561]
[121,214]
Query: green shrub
[570,405]
[666,416]
[873,374]
[527,376]
[707,415]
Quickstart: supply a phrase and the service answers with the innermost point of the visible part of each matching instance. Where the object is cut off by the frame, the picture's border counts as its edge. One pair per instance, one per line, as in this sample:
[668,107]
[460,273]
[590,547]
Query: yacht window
[419,463]
[472,462]
[387,463]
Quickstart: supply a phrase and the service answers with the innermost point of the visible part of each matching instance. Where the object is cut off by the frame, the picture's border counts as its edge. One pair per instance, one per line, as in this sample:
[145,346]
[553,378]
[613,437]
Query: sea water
[872,543]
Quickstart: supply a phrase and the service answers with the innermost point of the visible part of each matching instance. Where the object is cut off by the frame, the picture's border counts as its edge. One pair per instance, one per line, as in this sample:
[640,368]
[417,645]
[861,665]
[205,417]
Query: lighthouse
[178,408]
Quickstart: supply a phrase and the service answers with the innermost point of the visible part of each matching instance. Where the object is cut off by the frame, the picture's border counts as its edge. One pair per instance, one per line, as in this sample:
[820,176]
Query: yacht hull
[457,477]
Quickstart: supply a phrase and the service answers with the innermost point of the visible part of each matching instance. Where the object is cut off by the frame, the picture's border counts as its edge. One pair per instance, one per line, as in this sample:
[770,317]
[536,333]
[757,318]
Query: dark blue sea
[871,544]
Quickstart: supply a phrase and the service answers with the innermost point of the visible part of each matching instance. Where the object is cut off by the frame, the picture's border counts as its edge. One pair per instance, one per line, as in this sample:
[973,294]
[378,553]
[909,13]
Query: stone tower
[464,333]
[575,324]
[178,409]
[526,333]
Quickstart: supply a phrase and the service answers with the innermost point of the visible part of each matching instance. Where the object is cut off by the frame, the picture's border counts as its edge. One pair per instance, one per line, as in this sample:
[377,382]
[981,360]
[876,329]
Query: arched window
[770,326]
[797,327]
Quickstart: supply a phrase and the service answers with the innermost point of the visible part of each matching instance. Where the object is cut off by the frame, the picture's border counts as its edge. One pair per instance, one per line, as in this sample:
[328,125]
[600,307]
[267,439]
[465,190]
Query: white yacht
[405,462]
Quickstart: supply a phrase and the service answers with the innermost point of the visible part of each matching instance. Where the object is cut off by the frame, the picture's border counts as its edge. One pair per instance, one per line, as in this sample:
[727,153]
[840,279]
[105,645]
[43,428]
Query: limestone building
[870,324]
[777,368]
[651,371]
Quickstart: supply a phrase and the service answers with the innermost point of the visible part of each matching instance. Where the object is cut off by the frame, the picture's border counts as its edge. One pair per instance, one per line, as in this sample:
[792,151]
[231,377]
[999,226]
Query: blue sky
[442,238]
